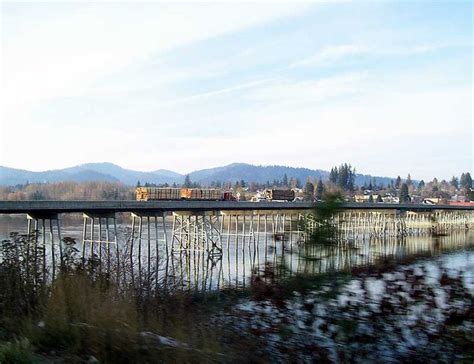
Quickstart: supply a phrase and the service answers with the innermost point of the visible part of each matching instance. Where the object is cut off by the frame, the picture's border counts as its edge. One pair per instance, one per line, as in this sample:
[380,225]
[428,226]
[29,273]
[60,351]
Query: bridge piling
[46,219]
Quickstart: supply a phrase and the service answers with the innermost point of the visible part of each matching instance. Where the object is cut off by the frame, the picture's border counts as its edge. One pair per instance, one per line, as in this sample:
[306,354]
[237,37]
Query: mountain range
[114,173]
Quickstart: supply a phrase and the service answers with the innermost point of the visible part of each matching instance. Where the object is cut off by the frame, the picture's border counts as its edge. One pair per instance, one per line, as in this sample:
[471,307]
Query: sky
[385,86]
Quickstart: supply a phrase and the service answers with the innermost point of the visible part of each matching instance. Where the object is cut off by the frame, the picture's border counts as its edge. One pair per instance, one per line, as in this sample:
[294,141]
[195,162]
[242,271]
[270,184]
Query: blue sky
[385,86]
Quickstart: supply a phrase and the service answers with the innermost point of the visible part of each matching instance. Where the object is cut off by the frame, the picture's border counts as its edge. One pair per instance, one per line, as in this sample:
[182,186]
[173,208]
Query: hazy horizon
[385,86]
[403,175]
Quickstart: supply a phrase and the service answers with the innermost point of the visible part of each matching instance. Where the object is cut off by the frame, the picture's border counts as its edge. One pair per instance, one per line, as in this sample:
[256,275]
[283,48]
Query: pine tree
[466,180]
[308,191]
[454,182]
[333,175]
[462,180]
[371,199]
[404,196]
[298,183]
[319,190]
[187,182]
[379,198]
[285,180]
[398,182]
[409,181]
[421,186]
[138,184]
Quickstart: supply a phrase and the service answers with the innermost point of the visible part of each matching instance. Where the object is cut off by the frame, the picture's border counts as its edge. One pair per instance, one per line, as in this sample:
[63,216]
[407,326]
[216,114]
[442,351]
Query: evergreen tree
[285,180]
[298,183]
[466,180]
[333,175]
[379,198]
[319,190]
[308,191]
[242,183]
[187,182]
[421,186]
[398,182]
[371,199]
[454,182]
[343,177]
[409,181]
[138,184]
[404,196]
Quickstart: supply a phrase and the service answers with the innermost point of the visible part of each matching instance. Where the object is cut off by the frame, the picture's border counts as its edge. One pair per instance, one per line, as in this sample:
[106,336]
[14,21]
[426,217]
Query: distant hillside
[11,176]
[113,173]
[250,173]
[87,172]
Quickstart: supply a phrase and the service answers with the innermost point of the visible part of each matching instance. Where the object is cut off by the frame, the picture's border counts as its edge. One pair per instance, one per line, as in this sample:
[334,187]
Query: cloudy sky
[385,86]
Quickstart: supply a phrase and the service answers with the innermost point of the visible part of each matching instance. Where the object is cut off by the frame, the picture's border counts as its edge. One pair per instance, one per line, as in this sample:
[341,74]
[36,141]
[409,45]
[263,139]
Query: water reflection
[270,296]
[147,262]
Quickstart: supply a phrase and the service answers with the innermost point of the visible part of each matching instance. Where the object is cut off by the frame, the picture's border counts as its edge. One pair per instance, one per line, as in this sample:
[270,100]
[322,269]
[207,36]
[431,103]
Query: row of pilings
[212,231]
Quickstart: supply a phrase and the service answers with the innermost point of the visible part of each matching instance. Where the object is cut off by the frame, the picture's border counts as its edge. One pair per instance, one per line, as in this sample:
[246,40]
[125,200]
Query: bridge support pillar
[151,222]
[197,231]
[99,233]
[38,226]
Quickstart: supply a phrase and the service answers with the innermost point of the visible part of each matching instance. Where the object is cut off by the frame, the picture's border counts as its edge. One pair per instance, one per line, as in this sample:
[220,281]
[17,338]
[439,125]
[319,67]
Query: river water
[280,300]
[151,258]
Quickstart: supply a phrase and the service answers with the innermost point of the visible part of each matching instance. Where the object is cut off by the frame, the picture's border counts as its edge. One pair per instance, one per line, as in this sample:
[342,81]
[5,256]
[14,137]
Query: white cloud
[72,48]
[105,81]
[335,54]
[330,54]
[309,91]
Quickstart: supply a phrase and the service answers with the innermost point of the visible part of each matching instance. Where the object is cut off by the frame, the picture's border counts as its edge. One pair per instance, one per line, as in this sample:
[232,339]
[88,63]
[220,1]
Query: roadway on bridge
[17,207]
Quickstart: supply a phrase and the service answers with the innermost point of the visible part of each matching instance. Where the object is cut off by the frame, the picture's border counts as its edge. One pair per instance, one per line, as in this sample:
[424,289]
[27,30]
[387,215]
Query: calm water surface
[273,297]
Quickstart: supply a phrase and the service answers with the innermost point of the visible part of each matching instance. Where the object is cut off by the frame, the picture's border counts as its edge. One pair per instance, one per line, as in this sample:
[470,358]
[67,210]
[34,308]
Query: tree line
[68,191]
[341,179]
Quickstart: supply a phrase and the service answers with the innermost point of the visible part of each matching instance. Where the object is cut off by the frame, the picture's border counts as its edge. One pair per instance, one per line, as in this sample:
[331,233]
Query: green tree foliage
[343,176]
[454,182]
[285,180]
[421,186]
[404,195]
[187,182]
[298,183]
[398,182]
[319,190]
[466,180]
[333,175]
[323,213]
[308,191]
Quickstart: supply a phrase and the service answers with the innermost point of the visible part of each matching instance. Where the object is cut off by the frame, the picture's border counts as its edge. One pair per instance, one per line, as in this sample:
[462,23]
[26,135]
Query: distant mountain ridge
[113,173]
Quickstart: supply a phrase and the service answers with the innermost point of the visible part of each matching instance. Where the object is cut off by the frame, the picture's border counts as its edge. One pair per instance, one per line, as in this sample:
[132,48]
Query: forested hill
[112,173]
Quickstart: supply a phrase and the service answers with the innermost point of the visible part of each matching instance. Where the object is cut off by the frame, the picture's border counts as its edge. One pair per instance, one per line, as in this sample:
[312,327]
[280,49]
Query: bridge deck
[16,207]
